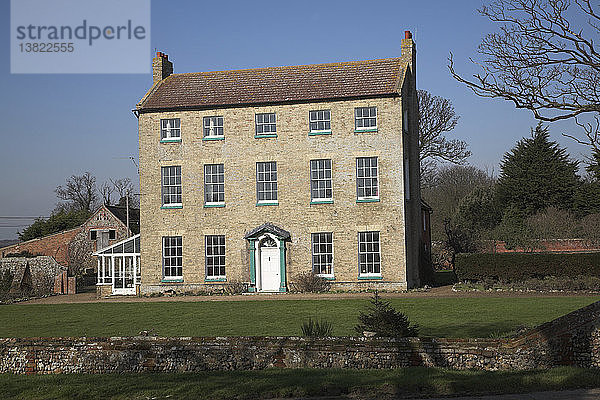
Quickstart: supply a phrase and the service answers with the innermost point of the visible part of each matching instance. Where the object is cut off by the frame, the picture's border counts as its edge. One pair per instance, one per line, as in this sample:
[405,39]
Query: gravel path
[438,292]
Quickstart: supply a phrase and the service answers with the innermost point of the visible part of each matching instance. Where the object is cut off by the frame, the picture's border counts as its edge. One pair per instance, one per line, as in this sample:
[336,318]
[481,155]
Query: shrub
[236,287]
[590,228]
[548,283]
[383,319]
[309,282]
[509,267]
[322,328]
[6,279]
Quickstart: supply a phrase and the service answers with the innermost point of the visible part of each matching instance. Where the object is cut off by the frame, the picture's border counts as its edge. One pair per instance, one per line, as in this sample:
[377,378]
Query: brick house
[259,175]
[73,248]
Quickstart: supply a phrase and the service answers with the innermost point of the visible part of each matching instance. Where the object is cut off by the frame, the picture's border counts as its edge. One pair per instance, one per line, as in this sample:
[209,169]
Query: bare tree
[437,117]
[106,190]
[79,191]
[451,184]
[124,188]
[543,59]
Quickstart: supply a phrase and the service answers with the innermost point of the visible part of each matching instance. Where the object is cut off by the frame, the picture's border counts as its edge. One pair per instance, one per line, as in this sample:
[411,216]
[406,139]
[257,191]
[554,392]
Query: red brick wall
[56,245]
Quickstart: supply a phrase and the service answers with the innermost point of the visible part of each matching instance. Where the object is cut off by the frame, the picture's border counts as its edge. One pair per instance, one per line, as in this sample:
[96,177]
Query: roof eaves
[150,91]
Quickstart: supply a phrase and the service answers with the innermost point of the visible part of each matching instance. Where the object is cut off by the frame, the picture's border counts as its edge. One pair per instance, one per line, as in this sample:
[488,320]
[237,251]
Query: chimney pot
[161,67]
[407,35]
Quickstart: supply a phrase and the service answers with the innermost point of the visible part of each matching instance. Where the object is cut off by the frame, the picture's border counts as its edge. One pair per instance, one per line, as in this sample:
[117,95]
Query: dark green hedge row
[519,266]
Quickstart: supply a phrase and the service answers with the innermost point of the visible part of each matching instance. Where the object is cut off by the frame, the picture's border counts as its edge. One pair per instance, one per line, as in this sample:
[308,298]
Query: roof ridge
[356,62]
[130,207]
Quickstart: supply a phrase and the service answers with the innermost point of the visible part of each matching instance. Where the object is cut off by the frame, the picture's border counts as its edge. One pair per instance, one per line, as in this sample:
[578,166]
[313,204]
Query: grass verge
[241,385]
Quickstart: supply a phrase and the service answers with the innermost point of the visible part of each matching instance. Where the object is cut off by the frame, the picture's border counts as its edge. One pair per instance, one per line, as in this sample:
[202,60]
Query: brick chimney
[409,50]
[161,67]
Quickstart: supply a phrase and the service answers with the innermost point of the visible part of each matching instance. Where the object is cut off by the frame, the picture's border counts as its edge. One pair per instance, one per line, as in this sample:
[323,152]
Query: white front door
[269,269]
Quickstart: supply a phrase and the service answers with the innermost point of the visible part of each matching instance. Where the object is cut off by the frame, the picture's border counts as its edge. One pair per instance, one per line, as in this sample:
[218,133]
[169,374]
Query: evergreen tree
[58,221]
[593,168]
[587,198]
[536,174]
[479,211]
[383,319]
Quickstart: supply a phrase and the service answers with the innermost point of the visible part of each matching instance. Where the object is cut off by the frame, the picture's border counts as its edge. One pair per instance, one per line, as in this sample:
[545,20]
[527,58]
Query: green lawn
[240,385]
[444,317]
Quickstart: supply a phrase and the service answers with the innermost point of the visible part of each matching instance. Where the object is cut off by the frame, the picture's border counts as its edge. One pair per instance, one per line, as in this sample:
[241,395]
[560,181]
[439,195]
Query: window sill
[365,130]
[370,278]
[176,280]
[321,202]
[104,284]
[327,277]
[170,140]
[214,205]
[367,200]
[212,138]
[318,133]
[215,280]
[267,203]
[171,207]
[271,135]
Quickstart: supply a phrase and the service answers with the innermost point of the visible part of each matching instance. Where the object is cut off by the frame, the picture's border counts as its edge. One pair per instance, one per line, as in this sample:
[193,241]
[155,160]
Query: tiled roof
[369,78]
[121,214]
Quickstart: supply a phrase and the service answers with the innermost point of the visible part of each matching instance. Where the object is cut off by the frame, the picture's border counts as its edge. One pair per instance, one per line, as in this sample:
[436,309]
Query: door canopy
[274,230]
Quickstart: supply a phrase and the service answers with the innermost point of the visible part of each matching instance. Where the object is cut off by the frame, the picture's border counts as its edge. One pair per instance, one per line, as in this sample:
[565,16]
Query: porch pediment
[274,230]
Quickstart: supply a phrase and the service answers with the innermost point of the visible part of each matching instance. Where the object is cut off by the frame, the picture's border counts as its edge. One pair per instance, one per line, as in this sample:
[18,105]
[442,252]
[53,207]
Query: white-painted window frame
[213,126]
[317,243]
[170,129]
[365,173]
[321,175]
[268,127]
[220,258]
[214,172]
[365,121]
[170,177]
[368,246]
[319,117]
[167,247]
[266,177]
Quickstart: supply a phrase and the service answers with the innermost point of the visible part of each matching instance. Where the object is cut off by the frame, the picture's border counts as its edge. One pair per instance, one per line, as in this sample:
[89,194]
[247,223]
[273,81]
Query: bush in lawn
[309,282]
[321,328]
[511,267]
[383,319]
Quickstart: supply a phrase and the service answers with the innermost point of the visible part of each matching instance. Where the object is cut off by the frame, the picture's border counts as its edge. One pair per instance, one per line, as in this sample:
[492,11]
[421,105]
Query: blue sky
[57,125]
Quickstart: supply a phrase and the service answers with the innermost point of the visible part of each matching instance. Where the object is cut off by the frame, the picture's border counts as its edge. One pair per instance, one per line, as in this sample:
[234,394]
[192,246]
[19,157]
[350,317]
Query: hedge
[519,266]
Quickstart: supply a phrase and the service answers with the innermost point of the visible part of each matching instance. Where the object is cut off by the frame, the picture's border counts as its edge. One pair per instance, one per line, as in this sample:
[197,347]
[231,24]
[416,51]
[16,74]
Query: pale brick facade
[394,216]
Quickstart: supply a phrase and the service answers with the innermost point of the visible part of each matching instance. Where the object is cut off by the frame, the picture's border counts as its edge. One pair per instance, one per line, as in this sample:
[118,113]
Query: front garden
[442,317]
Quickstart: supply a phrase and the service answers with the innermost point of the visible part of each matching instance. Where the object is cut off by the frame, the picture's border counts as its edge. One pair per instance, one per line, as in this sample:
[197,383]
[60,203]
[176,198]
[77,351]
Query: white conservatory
[119,268]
